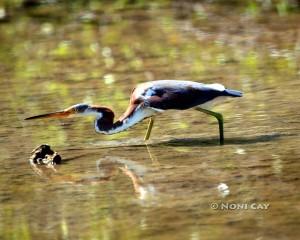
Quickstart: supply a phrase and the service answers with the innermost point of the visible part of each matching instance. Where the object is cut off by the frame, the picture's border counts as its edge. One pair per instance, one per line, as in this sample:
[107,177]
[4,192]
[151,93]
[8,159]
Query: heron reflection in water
[108,169]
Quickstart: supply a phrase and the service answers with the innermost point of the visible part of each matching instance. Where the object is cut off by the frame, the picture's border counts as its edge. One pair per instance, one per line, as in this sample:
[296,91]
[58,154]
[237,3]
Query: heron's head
[80,109]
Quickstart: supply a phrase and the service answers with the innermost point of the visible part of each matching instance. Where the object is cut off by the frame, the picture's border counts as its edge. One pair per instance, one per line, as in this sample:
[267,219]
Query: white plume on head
[217,86]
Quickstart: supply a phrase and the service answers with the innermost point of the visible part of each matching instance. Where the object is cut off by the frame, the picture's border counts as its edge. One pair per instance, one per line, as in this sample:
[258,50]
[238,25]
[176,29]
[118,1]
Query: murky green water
[116,187]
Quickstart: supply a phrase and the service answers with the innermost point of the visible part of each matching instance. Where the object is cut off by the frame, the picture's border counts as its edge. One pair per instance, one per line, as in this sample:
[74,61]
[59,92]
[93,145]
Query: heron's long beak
[59,114]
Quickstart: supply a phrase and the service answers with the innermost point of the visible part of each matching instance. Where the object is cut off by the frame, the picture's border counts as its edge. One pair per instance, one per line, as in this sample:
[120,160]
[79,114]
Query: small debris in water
[240,151]
[44,155]
[223,189]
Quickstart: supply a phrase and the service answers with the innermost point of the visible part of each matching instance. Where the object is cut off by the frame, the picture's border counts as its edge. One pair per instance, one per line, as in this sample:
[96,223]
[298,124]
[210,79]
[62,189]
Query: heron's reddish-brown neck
[105,122]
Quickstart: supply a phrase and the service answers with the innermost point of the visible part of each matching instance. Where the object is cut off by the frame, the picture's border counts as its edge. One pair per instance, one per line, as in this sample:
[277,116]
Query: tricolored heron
[150,98]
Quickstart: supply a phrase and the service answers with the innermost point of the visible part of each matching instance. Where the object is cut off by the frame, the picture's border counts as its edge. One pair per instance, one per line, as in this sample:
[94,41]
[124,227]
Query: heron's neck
[108,126]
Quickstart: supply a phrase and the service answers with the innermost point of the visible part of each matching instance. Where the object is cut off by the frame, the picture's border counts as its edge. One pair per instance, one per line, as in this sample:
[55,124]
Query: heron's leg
[150,125]
[219,117]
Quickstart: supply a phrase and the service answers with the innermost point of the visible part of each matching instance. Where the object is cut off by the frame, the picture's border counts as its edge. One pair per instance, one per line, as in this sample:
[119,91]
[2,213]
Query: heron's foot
[219,117]
[149,129]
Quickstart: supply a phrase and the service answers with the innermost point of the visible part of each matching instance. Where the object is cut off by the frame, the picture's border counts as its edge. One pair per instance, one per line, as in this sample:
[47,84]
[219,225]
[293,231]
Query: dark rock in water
[56,159]
[44,155]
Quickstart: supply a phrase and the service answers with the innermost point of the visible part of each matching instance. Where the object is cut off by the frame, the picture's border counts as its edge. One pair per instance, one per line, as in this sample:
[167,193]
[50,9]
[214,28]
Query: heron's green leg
[150,125]
[219,117]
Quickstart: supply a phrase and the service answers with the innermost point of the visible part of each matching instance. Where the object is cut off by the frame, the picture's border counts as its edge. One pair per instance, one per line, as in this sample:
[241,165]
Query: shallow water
[116,187]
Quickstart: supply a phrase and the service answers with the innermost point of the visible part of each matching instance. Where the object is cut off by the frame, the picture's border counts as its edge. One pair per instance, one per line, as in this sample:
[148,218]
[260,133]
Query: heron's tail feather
[232,93]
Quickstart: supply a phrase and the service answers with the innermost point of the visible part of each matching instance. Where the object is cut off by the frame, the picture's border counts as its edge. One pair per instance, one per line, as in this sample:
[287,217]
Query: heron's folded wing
[180,98]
